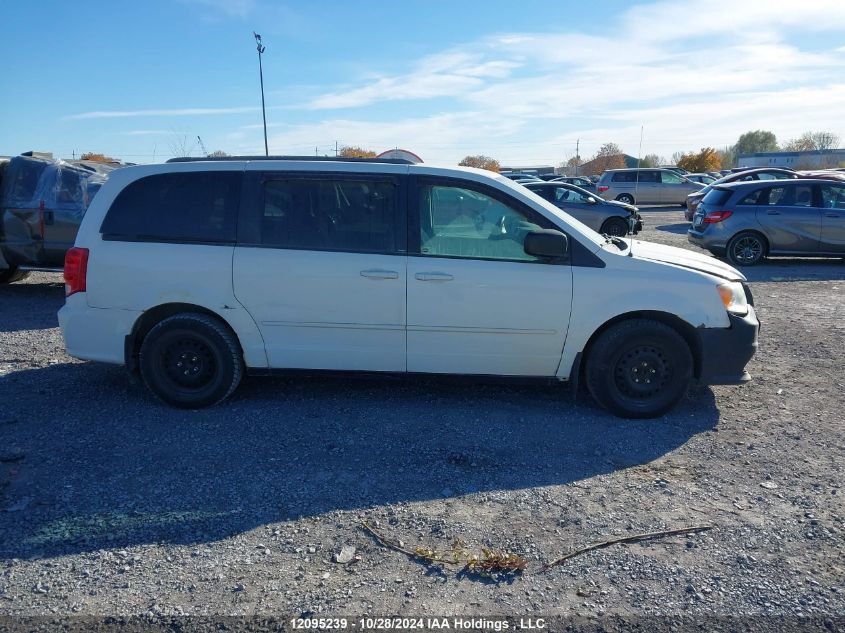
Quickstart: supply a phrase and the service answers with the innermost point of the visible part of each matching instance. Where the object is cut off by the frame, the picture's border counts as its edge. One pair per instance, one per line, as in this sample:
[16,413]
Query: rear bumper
[95,333]
[702,241]
[726,351]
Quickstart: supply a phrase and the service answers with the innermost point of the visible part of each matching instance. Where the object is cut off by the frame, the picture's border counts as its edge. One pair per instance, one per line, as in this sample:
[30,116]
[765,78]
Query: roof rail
[324,159]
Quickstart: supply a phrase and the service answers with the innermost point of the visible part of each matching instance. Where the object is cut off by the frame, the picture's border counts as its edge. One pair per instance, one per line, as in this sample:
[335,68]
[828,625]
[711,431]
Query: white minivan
[198,271]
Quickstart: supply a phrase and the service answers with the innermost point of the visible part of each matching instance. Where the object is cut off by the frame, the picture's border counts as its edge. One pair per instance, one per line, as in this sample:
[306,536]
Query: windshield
[569,221]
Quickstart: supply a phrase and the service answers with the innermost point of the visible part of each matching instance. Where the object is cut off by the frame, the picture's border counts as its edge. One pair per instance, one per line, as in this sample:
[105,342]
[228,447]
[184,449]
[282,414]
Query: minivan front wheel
[191,360]
[625,198]
[639,368]
[746,249]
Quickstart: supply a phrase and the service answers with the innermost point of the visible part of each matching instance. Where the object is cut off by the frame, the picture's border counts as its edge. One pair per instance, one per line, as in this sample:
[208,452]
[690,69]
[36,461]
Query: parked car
[748,221]
[578,181]
[194,273]
[41,205]
[761,173]
[645,186]
[824,174]
[716,174]
[525,178]
[609,218]
[678,170]
[704,179]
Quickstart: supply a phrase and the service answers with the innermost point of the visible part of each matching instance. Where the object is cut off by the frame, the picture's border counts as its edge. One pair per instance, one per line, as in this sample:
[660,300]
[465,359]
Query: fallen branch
[490,562]
[422,554]
[625,539]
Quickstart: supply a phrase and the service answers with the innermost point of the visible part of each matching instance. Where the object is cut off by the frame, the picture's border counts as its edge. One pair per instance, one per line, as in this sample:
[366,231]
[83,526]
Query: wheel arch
[766,244]
[151,317]
[685,329]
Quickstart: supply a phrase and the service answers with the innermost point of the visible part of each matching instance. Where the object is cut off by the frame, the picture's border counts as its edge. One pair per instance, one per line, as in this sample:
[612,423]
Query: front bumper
[726,351]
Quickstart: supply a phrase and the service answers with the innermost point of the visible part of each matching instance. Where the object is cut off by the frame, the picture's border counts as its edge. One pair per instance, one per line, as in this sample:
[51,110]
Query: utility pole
[577,156]
[335,149]
[260,47]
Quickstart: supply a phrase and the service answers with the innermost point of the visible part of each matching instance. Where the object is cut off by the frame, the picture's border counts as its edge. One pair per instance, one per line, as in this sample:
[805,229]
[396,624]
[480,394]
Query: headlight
[733,296]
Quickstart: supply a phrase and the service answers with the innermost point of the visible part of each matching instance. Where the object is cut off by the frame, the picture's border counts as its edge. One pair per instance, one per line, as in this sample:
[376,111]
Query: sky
[522,82]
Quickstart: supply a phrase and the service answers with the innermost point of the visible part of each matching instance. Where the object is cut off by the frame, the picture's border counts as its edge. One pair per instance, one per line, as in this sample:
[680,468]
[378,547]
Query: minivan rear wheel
[615,226]
[191,360]
[746,249]
[12,274]
[625,198]
[639,368]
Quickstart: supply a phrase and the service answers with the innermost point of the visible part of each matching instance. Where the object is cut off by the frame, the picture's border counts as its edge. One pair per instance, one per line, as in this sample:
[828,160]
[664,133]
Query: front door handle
[434,277]
[773,212]
[376,273]
[832,215]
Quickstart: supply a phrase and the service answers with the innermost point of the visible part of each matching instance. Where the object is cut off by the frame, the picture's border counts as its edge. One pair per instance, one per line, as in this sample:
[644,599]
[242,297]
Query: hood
[629,207]
[686,259]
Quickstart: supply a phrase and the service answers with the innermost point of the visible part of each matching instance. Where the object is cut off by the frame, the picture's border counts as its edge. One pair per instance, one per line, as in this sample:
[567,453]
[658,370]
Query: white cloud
[693,72]
[147,132]
[113,114]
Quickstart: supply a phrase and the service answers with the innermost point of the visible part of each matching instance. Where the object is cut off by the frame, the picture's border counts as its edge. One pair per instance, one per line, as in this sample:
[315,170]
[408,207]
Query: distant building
[534,170]
[795,160]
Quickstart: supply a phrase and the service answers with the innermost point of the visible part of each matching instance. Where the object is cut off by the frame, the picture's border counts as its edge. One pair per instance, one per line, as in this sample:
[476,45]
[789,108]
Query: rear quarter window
[624,176]
[176,207]
[717,196]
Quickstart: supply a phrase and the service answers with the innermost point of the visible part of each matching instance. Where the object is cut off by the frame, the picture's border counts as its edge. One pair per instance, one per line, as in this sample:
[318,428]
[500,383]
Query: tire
[12,274]
[746,249]
[625,352]
[196,343]
[615,227]
[625,198]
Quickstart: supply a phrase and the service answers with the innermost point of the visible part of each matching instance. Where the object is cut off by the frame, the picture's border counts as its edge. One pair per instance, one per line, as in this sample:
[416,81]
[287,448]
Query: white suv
[197,272]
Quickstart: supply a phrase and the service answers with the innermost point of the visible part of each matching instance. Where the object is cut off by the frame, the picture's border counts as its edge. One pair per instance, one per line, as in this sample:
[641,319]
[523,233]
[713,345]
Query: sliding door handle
[434,277]
[380,274]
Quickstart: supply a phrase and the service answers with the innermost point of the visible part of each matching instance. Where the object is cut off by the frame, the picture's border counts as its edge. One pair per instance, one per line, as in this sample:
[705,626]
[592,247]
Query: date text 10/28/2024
[419,624]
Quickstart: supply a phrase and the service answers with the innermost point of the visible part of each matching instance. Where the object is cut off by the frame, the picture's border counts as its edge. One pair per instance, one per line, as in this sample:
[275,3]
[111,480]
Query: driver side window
[459,222]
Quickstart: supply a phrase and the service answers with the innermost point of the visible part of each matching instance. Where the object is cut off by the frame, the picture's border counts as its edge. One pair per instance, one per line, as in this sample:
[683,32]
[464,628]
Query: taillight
[603,188]
[76,270]
[712,217]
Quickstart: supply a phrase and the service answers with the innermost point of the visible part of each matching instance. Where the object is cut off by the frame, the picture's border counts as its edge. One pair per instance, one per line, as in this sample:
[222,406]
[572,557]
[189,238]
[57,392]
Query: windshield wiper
[618,242]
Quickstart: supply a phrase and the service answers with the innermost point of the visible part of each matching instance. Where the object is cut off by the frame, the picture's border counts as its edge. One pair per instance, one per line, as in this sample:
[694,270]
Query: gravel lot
[113,504]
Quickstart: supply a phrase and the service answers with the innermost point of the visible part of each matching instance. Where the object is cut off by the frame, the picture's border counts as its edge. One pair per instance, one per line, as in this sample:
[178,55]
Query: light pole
[260,49]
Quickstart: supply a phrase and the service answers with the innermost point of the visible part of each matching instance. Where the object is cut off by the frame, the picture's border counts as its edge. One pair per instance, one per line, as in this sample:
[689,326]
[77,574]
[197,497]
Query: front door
[790,219]
[321,269]
[477,303]
[833,218]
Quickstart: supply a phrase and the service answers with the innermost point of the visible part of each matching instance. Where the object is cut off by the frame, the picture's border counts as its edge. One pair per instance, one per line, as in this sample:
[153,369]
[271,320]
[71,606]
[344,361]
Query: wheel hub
[189,363]
[642,371]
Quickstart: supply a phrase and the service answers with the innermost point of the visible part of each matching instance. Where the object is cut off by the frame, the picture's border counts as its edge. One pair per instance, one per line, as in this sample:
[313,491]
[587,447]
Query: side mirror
[592,200]
[546,243]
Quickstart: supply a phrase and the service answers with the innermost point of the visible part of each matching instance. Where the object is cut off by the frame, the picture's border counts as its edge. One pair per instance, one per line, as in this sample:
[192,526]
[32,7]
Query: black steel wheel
[746,249]
[616,227]
[191,360]
[639,368]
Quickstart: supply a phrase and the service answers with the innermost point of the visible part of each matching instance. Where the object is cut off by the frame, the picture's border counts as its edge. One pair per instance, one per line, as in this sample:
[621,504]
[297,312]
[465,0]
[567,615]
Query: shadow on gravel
[796,269]
[30,306]
[678,229]
[99,465]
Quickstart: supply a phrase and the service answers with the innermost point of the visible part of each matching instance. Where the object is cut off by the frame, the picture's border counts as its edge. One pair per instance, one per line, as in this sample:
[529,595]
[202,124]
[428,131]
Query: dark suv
[746,221]
[42,202]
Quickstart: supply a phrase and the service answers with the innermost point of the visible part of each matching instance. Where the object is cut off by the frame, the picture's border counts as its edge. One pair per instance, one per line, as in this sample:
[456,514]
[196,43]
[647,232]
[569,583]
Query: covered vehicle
[42,202]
